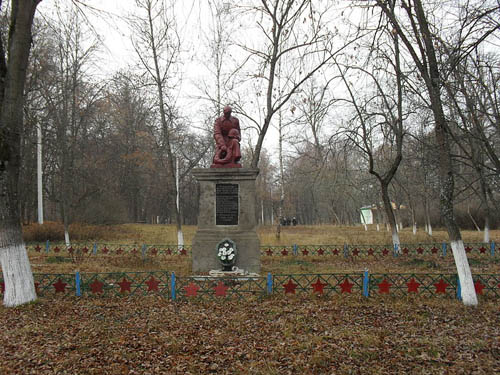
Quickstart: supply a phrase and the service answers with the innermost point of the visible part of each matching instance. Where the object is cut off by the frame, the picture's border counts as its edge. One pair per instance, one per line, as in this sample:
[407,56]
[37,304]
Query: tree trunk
[390,215]
[18,278]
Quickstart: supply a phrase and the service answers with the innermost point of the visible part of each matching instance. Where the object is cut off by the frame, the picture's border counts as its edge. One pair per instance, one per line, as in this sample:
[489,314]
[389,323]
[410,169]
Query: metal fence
[443,249]
[168,285]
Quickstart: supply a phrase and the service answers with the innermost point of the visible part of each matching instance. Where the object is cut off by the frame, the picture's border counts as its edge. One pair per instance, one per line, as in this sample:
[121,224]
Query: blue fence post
[269,283]
[144,252]
[346,250]
[94,250]
[444,248]
[459,289]
[396,249]
[47,246]
[492,248]
[77,284]
[172,286]
[295,249]
[366,280]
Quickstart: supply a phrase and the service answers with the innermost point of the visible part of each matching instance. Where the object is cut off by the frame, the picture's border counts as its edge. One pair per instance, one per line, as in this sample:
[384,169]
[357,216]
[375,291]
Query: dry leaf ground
[278,335]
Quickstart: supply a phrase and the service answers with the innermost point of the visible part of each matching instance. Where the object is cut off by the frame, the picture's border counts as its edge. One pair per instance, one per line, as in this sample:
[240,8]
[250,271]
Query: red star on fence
[355,252]
[124,285]
[154,251]
[420,250]
[38,248]
[482,249]
[305,252]
[412,286]
[269,252]
[60,286]
[119,251]
[134,251]
[168,251]
[191,290]
[221,289]
[85,250]
[321,251]
[105,250]
[384,287]
[335,251]
[56,249]
[405,250]
[70,250]
[479,286]
[346,286]
[370,251]
[385,252]
[441,286]
[434,250]
[290,287]
[468,249]
[183,251]
[284,252]
[96,286]
[318,286]
[152,284]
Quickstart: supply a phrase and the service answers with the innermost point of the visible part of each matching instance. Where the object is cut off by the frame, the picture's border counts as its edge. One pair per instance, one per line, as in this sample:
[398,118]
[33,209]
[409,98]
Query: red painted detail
[70,250]
[221,289]
[183,251]
[434,250]
[420,250]
[56,249]
[168,251]
[134,251]
[284,252]
[154,251]
[479,286]
[124,285]
[318,286]
[321,251]
[191,289]
[305,252]
[38,248]
[2,287]
[119,250]
[384,287]
[468,249]
[413,286]
[441,286]
[370,251]
[385,252]
[152,284]
[60,286]
[405,250]
[85,250]
[290,287]
[335,251]
[96,286]
[355,252]
[346,286]
[105,250]
[269,252]
[482,249]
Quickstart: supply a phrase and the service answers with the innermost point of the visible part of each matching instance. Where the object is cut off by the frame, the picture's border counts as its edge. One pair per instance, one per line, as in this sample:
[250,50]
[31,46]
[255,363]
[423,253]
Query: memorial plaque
[226,204]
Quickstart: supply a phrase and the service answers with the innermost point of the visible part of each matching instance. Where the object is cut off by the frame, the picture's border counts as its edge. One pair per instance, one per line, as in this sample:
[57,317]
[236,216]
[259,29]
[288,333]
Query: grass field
[279,334]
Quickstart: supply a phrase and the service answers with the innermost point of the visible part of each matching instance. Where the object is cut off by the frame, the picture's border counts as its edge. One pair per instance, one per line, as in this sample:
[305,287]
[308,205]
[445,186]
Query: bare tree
[16,269]
[420,41]
[157,45]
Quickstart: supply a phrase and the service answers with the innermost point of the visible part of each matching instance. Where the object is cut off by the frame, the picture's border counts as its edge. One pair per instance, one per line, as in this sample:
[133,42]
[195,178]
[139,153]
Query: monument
[227,217]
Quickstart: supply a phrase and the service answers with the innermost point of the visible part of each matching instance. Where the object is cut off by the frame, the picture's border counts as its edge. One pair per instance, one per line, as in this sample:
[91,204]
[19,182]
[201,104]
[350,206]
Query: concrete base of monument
[227,210]
[236,272]
[205,255]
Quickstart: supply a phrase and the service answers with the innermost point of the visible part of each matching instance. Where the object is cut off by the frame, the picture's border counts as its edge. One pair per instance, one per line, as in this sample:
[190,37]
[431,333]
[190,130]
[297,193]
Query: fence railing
[480,249]
[168,285]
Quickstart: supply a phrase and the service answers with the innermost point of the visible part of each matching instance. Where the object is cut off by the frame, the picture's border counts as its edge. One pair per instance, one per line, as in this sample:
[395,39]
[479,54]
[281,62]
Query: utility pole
[39,172]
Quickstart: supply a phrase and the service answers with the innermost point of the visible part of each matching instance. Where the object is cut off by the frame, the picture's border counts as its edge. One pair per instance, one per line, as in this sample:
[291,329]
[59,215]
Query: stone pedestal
[227,210]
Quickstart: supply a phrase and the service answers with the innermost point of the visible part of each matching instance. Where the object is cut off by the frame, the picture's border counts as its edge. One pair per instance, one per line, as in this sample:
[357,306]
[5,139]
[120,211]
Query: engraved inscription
[226,204]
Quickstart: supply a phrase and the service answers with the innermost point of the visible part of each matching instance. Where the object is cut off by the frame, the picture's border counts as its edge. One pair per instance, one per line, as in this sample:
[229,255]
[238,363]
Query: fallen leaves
[277,335]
